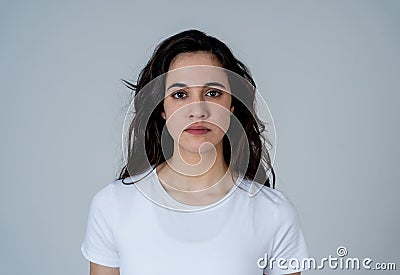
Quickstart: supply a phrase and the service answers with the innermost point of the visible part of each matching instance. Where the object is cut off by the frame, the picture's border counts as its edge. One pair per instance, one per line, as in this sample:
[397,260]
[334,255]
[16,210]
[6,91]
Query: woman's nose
[198,107]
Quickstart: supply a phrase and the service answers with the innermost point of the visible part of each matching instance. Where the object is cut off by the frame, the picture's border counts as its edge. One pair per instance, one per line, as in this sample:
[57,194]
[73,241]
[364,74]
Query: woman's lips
[197,130]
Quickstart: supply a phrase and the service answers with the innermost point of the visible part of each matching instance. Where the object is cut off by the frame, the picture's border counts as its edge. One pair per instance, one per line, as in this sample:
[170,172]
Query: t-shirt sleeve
[99,244]
[289,247]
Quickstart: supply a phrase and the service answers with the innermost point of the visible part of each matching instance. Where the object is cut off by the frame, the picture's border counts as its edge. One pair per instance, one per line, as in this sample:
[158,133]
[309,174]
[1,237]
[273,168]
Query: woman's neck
[192,172]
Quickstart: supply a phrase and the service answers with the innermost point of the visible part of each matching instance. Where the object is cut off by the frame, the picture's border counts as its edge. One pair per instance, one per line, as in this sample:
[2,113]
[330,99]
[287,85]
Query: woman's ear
[163,115]
[232,109]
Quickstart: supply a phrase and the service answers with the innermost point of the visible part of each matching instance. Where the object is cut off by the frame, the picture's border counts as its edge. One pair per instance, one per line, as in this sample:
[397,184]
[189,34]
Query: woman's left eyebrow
[209,84]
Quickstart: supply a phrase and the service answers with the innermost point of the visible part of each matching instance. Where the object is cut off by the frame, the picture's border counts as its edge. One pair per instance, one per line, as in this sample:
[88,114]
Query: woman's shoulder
[261,192]
[115,190]
[266,199]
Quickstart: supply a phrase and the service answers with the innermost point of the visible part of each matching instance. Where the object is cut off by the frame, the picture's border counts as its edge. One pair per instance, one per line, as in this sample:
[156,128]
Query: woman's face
[197,103]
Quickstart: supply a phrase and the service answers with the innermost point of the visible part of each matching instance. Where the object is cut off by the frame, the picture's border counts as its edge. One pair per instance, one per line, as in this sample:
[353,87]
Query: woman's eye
[182,94]
[214,93]
[179,94]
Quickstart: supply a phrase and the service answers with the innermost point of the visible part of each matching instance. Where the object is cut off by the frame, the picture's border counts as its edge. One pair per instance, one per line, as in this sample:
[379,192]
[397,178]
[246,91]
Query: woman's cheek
[221,118]
[174,125]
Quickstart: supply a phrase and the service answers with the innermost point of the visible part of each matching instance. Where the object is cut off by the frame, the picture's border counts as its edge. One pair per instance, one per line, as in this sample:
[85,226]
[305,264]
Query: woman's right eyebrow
[180,85]
[209,84]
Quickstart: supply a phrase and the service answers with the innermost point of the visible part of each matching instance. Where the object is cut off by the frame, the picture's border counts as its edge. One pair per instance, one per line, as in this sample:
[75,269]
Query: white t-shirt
[142,230]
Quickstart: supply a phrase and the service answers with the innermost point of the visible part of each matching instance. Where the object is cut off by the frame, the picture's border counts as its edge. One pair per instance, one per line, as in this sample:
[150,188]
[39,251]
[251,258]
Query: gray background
[329,71]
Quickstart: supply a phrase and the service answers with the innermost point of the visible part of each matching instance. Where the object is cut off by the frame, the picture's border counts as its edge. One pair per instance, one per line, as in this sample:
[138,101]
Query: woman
[194,138]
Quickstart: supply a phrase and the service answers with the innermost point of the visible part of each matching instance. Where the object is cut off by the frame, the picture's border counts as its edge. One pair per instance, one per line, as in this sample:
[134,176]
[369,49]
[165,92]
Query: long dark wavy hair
[147,128]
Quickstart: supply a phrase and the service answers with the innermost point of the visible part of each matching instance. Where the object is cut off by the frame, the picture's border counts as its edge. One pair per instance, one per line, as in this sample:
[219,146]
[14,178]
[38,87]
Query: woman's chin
[201,148]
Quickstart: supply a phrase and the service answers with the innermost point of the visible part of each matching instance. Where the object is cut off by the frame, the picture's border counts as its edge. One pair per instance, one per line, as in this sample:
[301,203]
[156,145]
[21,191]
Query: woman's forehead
[194,58]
